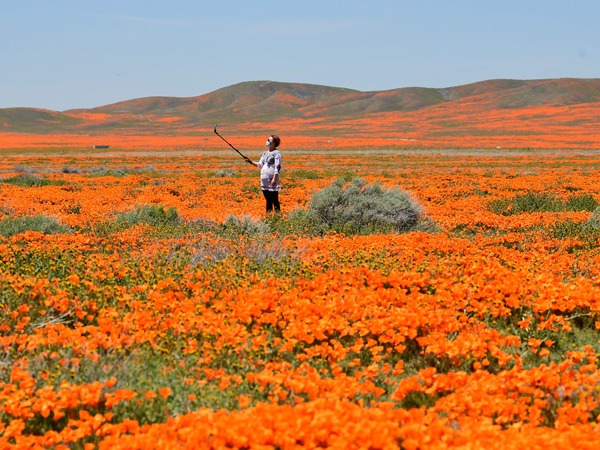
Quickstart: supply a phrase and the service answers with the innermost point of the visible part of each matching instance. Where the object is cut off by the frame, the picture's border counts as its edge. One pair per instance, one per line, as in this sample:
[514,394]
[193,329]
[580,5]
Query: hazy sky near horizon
[64,54]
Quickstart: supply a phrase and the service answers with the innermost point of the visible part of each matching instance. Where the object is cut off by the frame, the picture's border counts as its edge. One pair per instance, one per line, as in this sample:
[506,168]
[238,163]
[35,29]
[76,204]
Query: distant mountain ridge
[306,100]
[266,101]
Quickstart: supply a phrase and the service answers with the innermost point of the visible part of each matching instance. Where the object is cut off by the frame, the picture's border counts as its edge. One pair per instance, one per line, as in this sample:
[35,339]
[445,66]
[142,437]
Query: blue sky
[63,54]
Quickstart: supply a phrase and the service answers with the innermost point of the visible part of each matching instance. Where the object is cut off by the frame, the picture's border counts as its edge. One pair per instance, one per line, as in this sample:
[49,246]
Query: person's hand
[248,160]
[274,182]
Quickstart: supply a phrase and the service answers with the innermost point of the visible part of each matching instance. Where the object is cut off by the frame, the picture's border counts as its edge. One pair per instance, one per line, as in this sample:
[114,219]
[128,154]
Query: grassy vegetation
[355,209]
[103,171]
[587,233]
[30,180]
[10,226]
[542,202]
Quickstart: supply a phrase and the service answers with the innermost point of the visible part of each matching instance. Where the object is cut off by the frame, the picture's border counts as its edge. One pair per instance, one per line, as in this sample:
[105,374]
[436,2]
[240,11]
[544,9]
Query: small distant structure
[101,147]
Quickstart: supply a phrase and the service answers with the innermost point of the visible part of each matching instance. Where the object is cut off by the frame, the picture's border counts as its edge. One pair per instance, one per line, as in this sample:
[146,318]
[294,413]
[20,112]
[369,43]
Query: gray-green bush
[359,208]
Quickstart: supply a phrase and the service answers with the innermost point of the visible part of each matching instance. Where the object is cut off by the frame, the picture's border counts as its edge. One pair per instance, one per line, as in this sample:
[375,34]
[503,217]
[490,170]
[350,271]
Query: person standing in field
[270,168]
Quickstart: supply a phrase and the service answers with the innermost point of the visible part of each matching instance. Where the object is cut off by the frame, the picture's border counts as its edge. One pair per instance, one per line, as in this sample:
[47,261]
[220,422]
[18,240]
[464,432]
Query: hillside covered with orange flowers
[551,114]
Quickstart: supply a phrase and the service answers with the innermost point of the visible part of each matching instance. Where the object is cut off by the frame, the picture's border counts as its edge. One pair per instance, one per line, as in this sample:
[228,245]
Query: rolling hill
[268,100]
[306,109]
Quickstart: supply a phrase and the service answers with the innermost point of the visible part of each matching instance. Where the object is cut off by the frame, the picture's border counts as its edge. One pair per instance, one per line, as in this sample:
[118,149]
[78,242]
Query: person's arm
[263,160]
[258,164]
[275,179]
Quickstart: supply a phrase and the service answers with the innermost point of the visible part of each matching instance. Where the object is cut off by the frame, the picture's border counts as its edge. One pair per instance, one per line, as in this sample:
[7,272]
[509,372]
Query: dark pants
[272,198]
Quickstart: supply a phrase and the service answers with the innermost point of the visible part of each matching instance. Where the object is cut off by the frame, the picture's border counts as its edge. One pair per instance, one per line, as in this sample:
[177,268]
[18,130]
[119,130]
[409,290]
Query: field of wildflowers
[147,302]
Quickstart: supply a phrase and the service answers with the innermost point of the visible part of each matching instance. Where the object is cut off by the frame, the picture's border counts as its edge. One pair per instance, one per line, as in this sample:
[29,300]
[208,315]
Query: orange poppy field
[216,328]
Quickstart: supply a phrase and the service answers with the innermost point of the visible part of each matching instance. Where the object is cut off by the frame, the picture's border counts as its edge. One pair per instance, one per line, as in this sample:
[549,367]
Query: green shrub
[28,180]
[527,203]
[427,225]
[541,202]
[567,229]
[153,215]
[10,226]
[358,208]
[584,202]
[587,232]
[298,222]
[203,225]
[244,226]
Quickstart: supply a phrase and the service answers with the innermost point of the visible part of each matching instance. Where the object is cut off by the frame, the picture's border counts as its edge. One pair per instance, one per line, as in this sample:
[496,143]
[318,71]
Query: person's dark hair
[276,140]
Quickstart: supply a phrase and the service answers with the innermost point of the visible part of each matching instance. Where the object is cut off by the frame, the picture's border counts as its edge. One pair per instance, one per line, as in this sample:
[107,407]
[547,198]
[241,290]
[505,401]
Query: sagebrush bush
[10,226]
[358,208]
